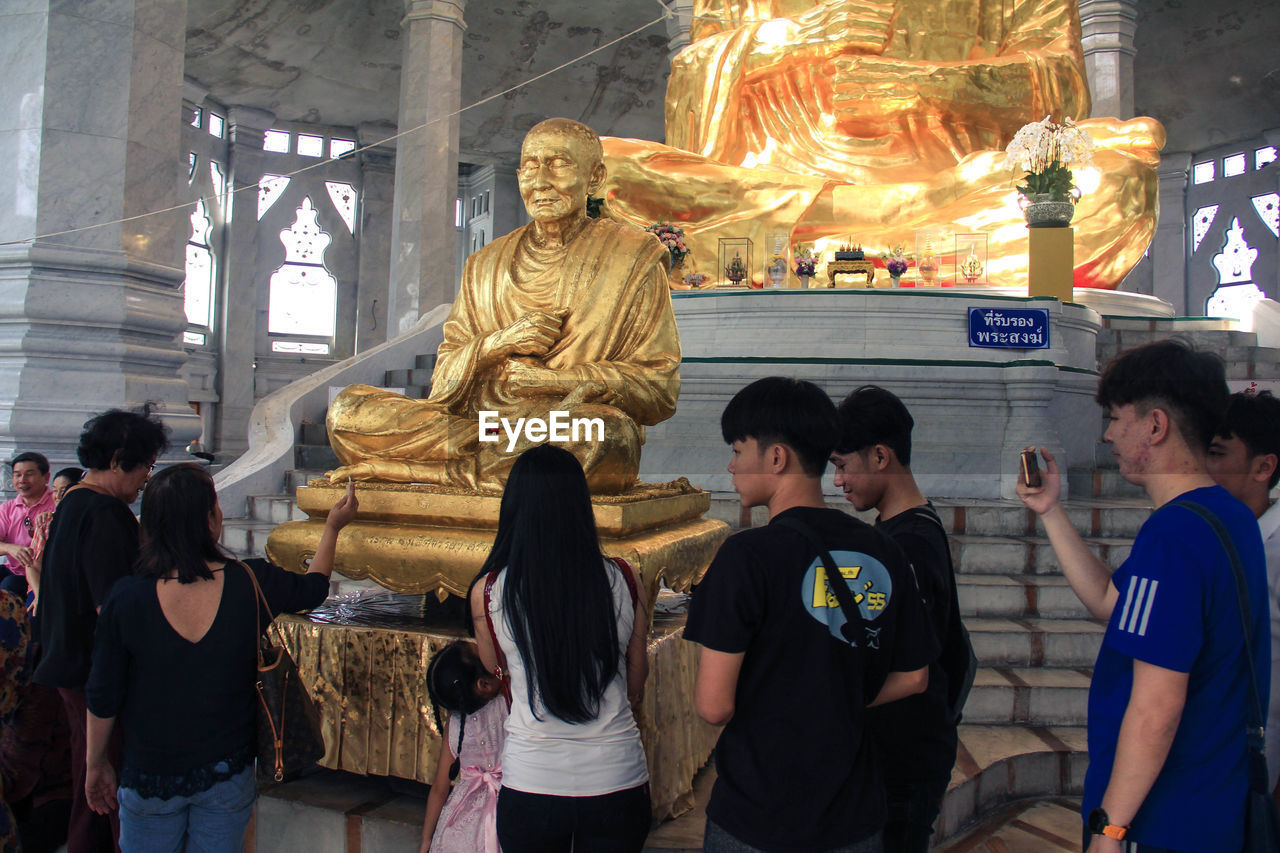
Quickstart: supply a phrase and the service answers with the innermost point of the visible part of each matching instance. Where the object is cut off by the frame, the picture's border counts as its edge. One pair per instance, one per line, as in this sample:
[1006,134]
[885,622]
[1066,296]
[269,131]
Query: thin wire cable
[210,199]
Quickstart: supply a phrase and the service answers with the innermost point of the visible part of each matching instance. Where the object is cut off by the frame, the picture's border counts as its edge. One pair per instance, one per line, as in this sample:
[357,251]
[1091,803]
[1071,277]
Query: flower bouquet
[673,238]
[806,263]
[694,280]
[896,262]
[1045,150]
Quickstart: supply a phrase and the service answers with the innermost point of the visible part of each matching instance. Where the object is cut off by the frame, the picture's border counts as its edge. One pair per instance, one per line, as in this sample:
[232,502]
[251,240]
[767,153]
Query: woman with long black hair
[571,626]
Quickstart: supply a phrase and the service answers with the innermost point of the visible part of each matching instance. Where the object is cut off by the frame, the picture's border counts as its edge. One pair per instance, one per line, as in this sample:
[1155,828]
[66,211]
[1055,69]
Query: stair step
[1035,642]
[315,456]
[300,477]
[246,538]
[1119,517]
[1018,596]
[1101,483]
[276,509]
[1029,695]
[412,376]
[1025,554]
[314,433]
[998,764]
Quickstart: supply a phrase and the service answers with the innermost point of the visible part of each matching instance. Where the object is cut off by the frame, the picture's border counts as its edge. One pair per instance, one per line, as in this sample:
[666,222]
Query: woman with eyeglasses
[93,542]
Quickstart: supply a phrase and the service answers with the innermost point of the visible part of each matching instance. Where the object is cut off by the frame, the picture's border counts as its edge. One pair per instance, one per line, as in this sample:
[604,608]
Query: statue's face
[555,175]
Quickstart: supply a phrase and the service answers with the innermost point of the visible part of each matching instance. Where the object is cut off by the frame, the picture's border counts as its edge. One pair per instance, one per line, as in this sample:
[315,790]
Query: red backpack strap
[629,575]
[502,672]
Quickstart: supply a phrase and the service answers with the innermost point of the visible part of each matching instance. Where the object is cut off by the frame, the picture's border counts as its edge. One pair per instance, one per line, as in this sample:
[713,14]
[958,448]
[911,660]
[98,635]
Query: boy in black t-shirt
[796,768]
[917,736]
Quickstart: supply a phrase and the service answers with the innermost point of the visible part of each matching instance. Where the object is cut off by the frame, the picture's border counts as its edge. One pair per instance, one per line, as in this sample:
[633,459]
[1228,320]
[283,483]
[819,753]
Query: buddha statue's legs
[381,435]
[1114,223]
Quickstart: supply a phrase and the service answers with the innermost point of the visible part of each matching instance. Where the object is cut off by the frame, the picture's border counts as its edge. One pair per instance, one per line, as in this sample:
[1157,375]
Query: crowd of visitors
[831,651]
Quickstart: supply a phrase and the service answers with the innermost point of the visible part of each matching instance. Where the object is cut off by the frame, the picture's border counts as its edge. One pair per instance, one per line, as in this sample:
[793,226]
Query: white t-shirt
[551,756]
[1269,523]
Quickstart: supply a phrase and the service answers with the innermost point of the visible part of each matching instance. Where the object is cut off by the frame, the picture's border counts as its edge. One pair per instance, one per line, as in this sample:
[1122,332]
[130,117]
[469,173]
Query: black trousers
[542,823]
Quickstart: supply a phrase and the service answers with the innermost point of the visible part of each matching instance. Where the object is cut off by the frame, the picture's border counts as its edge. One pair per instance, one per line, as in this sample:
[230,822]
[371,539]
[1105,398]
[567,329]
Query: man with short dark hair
[1168,759]
[917,735]
[781,663]
[1244,458]
[17,517]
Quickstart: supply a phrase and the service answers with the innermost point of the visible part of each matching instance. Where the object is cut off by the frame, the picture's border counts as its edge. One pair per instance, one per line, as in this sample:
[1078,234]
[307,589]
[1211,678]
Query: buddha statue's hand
[522,379]
[533,334]
[841,26]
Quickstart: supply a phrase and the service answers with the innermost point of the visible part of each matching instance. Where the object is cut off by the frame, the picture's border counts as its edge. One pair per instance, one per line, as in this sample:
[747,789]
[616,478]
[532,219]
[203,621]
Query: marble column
[1107,30]
[91,309]
[423,271]
[377,169]
[678,24]
[238,283]
[1170,248]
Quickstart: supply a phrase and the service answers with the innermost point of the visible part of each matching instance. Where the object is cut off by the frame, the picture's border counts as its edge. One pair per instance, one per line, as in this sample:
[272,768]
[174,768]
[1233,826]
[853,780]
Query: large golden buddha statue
[565,315]
[871,118]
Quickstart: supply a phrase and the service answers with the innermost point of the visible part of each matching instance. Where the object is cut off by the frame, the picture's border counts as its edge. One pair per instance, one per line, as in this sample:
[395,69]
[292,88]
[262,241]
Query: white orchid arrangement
[1045,150]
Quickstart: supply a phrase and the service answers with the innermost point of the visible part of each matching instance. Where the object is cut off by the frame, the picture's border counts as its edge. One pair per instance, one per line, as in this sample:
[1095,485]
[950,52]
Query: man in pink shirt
[17,517]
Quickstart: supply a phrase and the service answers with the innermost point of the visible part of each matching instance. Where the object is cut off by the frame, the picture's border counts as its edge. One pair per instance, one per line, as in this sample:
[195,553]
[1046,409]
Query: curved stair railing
[277,417]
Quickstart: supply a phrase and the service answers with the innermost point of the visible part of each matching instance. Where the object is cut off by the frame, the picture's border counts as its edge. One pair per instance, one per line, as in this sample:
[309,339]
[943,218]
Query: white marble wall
[974,408]
[90,306]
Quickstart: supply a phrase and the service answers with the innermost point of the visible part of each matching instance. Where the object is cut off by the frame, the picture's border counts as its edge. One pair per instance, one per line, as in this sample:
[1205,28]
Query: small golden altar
[369,682]
[854,267]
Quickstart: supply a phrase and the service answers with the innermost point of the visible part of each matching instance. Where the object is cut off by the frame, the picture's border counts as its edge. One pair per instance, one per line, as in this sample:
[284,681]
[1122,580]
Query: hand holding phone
[1030,469]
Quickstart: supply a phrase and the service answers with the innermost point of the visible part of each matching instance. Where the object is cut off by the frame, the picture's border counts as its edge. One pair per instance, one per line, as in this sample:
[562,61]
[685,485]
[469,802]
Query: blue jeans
[212,821]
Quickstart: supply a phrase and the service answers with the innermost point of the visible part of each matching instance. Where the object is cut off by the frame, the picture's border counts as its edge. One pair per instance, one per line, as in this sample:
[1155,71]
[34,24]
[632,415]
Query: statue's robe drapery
[617,359]
[761,136]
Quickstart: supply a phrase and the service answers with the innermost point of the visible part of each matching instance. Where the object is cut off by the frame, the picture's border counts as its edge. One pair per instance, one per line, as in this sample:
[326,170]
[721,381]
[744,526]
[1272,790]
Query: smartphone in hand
[1030,469]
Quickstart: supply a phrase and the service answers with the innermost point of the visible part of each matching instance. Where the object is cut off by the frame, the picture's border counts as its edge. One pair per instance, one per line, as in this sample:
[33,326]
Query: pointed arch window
[302,294]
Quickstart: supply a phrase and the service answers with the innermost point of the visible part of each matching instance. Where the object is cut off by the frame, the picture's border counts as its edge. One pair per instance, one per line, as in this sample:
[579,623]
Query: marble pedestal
[434,539]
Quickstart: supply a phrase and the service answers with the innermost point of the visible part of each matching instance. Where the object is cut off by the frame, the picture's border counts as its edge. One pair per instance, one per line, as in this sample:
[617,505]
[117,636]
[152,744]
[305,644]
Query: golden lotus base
[434,539]
[369,683]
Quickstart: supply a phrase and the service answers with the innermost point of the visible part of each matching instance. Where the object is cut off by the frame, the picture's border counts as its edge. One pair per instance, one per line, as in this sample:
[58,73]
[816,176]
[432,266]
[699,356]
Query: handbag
[1261,819]
[288,722]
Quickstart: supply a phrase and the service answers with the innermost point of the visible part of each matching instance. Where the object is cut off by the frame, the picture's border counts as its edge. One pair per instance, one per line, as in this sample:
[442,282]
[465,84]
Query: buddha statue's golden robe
[617,359]
[867,119]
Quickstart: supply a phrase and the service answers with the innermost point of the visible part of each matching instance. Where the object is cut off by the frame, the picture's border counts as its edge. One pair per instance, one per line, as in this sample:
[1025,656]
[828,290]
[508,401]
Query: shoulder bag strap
[628,575]
[259,599]
[1256,731]
[835,581]
[488,621]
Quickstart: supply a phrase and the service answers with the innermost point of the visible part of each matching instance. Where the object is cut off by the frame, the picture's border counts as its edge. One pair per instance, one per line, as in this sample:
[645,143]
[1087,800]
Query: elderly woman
[175,661]
[93,542]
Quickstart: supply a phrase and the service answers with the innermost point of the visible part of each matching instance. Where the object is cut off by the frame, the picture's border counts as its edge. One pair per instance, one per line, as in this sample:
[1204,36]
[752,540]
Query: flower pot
[804,282]
[895,279]
[1042,212]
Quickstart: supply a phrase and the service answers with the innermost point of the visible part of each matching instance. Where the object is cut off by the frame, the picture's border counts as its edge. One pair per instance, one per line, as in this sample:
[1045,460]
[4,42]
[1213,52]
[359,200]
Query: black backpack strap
[1256,730]
[852,614]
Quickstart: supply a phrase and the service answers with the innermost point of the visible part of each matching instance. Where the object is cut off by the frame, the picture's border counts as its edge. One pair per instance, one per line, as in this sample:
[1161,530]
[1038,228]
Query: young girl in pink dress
[464,820]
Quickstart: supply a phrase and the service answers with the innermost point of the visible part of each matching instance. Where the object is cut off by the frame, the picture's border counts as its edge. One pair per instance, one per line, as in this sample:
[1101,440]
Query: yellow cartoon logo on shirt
[867,578]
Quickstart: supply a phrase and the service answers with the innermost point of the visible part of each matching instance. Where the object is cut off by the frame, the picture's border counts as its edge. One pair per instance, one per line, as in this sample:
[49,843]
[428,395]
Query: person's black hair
[782,410]
[1255,420]
[872,415]
[451,684]
[176,507]
[42,464]
[1190,385]
[127,438]
[556,597]
[73,474]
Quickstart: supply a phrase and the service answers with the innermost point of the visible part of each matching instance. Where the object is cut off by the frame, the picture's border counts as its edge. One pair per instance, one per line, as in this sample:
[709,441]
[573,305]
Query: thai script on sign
[1009,328]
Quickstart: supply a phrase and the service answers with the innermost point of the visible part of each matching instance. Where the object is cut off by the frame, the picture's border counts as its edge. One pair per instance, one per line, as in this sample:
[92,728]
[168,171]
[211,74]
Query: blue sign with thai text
[1009,328]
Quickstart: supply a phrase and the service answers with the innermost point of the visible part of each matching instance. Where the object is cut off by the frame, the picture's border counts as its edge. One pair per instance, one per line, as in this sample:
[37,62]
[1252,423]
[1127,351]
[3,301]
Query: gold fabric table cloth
[370,685]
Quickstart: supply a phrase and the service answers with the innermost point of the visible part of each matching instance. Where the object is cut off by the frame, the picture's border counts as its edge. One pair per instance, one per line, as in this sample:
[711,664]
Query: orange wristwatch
[1100,824]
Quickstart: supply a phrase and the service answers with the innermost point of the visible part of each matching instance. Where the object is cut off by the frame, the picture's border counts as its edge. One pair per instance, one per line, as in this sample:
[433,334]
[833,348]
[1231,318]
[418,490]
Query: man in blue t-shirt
[1168,766]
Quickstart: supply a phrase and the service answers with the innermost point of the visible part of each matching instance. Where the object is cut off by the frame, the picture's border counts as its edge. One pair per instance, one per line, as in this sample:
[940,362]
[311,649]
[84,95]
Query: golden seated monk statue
[871,118]
[566,314]
[566,321]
